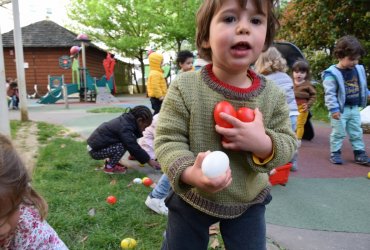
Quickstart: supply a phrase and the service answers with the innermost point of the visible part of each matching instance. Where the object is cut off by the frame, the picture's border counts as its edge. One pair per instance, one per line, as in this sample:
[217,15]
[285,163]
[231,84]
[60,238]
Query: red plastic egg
[245,114]
[111,199]
[227,108]
[147,181]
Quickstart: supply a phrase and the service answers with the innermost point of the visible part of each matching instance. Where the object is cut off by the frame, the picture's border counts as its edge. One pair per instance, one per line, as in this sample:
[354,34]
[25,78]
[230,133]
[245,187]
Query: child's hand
[304,107]
[272,172]
[154,164]
[246,136]
[194,176]
[336,115]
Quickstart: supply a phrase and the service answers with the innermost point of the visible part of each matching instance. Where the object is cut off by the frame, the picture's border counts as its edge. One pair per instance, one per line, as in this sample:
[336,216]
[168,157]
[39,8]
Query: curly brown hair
[210,7]
[348,46]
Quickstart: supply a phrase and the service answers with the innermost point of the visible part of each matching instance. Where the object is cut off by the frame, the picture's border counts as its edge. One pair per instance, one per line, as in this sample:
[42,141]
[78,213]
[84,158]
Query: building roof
[43,34]
[46,34]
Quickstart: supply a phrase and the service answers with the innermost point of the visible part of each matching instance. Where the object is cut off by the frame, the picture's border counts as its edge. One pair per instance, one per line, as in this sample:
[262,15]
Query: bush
[319,61]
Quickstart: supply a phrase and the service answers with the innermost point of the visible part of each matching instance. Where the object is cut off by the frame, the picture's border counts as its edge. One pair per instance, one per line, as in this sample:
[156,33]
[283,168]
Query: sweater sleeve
[312,92]
[331,90]
[163,86]
[278,128]
[130,143]
[171,143]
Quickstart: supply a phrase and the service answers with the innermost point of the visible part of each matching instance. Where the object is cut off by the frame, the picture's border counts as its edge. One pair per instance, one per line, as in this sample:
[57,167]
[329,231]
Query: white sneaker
[157,205]
[299,143]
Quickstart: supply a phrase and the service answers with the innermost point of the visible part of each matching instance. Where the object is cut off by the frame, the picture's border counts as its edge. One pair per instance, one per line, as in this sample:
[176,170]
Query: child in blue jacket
[345,91]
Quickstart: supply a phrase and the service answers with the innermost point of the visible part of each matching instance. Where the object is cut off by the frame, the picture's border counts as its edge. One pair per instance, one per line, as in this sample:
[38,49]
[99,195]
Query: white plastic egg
[215,164]
[137,181]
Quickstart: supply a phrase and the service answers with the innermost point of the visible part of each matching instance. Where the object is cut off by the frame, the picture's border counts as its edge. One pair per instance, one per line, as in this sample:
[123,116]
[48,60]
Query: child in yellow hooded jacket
[156,85]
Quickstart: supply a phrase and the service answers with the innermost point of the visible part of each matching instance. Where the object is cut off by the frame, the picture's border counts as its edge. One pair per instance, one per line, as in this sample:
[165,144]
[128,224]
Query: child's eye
[229,19]
[256,20]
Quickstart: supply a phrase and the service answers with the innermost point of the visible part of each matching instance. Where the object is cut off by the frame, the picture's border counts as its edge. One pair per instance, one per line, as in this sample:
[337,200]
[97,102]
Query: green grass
[109,110]
[320,114]
[47,131]
[65,176]
[14,127]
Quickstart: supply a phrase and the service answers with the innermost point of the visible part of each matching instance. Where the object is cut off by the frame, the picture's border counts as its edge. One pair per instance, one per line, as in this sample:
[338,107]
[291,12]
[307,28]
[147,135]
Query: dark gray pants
[156,104]
[188,228]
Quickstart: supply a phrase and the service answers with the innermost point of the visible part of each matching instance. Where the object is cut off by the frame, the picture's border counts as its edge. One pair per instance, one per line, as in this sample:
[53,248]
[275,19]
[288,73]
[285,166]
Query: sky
[31,11]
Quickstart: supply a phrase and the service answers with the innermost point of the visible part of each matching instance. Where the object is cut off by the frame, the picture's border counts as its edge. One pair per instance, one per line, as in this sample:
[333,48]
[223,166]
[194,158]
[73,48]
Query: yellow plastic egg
[128,243]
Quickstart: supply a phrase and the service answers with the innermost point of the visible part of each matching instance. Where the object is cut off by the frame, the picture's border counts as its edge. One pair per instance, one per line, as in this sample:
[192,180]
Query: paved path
[324,206]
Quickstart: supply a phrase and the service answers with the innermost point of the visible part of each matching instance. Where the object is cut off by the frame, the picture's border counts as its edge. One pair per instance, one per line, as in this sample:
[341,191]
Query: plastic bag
[365,115]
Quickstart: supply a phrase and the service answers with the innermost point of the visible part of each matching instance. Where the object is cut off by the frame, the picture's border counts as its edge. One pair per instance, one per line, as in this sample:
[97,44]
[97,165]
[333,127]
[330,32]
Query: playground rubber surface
[340,205]
[321,195]
[313,157]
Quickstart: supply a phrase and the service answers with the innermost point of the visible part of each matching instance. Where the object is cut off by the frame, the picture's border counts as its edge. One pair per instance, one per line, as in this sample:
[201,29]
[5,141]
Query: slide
[56,94]
[104,89]
[104,95]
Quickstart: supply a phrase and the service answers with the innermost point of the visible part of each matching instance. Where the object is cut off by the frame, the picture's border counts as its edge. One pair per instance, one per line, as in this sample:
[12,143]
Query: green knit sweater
[186,127]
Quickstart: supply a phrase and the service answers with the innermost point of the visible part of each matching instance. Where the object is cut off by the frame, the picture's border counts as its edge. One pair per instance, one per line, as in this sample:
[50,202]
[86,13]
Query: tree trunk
[142,65]
[143,76]
[178,45]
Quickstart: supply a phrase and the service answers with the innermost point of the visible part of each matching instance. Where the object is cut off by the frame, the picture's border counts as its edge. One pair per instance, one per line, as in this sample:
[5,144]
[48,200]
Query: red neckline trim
[255,81]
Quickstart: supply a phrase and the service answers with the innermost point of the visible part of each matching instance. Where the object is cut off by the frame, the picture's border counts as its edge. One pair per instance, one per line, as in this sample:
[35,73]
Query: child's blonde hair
[210,7]
[15,185]
[270,61]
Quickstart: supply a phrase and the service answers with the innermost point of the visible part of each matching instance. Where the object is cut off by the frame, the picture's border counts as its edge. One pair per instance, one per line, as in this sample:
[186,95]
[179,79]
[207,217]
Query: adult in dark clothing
[111,140]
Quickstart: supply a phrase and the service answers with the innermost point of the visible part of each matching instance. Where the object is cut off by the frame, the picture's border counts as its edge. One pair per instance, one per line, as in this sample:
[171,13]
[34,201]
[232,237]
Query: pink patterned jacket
[32,233]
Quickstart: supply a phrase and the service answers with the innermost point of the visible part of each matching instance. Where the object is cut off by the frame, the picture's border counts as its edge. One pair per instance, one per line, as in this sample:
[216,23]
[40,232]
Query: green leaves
[318,24]
[138,21]
[315,26]
[129,27]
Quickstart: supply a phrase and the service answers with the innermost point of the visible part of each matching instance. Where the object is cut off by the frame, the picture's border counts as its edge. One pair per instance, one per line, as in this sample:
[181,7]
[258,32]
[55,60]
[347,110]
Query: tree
[316,25]
[281,4]
[125,26]
[177,22]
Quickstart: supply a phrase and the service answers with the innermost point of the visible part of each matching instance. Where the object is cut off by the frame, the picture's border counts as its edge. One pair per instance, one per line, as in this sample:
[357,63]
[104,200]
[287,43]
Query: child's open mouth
[241,46]
[240,49]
